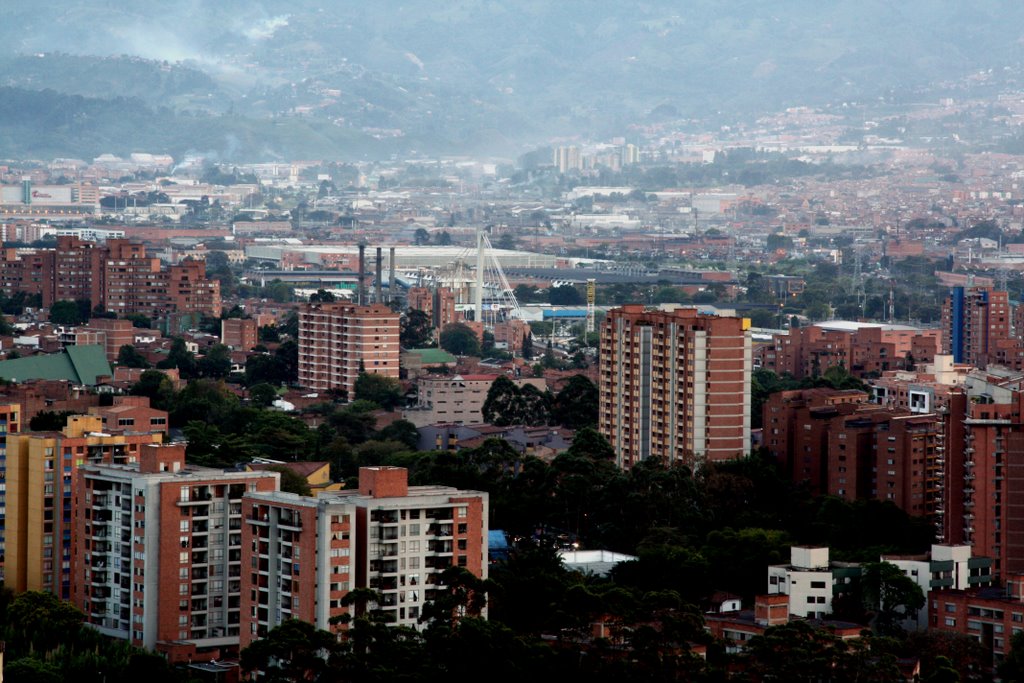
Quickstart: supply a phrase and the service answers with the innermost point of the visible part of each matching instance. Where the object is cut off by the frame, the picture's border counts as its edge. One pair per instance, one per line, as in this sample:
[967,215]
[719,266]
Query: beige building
[459,399]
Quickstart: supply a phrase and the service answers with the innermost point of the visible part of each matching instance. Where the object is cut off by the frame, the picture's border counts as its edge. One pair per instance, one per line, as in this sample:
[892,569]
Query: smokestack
[360,296]
[392,292]
[378,298]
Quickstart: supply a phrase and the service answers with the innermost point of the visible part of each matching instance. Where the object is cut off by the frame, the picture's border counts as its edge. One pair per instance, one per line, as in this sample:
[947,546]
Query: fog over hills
[369,79]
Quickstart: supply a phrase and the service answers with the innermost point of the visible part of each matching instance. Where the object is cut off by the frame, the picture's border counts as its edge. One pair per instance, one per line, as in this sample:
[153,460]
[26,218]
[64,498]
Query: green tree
[215,363]
[42,621]
[1012,666]
[380,389]
[576,404]
[502,405]
[401,431]
[460,339]
[129,357]
[66,312]
[49,420]
[262,394]
[181,358]
[322,295]
[534,406]
[416,329]
[891,595]
[291,481]
[157,386]
[565,295]
[294,651]
[139,320]
[421,237]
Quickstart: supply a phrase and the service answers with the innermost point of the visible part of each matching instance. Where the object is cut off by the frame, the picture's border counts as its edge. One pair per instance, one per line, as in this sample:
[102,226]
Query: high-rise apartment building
[158,554]
[388,536]
[303,551]
[338,341]
[41,469]
[974,321]
[10,423]
[674,384]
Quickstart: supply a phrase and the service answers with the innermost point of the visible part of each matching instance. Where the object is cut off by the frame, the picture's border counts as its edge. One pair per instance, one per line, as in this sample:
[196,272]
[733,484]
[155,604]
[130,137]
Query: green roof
[77,364]
[433,355]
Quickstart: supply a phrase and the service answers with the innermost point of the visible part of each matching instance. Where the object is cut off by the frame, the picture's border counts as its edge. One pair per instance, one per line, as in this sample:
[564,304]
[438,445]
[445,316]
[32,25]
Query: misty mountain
[492,76]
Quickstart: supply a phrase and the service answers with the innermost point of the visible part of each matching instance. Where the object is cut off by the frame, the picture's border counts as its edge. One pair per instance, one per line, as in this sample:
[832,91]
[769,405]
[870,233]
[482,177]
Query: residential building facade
[158,558]
[387,536]
[674,384]
[338,341]
[41,469]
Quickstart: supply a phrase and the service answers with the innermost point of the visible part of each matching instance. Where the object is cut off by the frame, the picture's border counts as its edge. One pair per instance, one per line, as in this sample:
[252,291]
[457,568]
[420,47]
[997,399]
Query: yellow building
[10,423]
[41,470]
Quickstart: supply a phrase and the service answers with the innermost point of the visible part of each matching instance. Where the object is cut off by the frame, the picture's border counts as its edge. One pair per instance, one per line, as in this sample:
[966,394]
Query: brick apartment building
[157,558]
[116,276]
[337,341]
[239,334]
[130,414]
[511,334]
[985,490]
[41,469]
[862,348]
[387,536]
[975,321]
[924,391]
[840,445]
[438,303]
[674,384]
[990,615]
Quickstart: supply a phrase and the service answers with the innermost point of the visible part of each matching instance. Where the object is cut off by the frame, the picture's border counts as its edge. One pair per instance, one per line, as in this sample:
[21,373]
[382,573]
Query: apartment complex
[975,321]
[840,445]
[438,303]
[157,557]
[116,276]
[338,341]
[239,334]
[388,536]
[41,468]
[674,384]
[861,348]
[303,551]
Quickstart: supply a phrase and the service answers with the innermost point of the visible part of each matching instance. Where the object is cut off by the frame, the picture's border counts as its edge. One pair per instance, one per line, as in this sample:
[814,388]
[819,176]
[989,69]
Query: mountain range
[263,79]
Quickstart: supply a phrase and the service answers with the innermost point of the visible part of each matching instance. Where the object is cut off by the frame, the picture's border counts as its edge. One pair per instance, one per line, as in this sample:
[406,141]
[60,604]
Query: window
[817,584]
[950,621]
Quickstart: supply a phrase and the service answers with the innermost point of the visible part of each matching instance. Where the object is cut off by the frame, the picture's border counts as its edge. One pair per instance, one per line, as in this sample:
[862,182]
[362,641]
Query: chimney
[392,292]
[378,297]
[360,298]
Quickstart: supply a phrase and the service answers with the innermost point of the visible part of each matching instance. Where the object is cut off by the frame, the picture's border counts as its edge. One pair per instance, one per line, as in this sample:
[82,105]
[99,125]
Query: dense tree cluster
[46,642]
